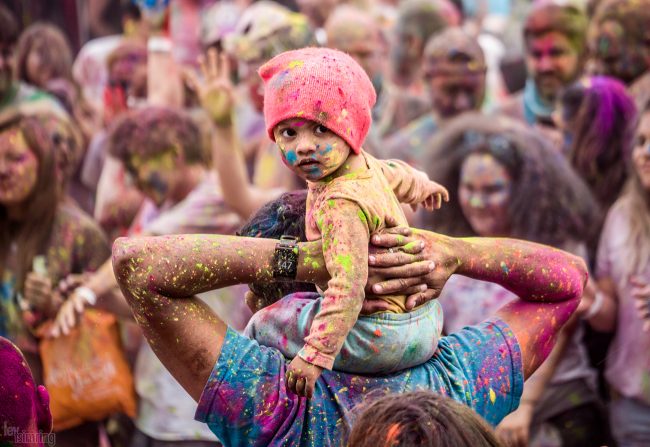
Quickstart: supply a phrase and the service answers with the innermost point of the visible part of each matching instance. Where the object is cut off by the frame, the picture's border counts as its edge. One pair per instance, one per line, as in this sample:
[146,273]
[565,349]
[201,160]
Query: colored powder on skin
[345,261]
[291,157]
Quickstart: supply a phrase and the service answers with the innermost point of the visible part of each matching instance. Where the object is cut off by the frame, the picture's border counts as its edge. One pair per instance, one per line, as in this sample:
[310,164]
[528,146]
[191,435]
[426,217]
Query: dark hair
[153,130]
[282,216]
[8,27]
[422,18]
[549,202]
[52,47]
[32,234]
[602,117]
[420,418]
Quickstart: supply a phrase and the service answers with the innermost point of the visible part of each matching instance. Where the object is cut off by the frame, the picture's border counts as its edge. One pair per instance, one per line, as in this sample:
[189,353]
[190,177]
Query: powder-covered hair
[424,18]
[601,116]
[154,130]
[549,202]
[420,418]
[52,47]
[548,16]
[284,216]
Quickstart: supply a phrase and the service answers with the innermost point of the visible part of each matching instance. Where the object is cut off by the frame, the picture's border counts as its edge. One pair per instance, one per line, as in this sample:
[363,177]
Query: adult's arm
[549,283]
[159,277]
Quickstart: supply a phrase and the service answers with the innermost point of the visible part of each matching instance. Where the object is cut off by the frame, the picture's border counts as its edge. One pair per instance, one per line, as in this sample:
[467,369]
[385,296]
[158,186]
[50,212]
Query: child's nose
[305,147]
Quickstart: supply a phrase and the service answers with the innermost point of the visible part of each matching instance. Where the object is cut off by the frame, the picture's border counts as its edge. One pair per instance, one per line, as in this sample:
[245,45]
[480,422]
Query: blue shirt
[245,401]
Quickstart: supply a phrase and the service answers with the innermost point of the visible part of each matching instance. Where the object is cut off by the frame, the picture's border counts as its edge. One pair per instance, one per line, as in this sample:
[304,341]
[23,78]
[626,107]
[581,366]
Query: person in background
[43,240]
[353,31]
[597,118]
[621,296]
[15,95]
[555,45]
[420,418]
[493,168]
[454,71]
[416,22]
[163,152]
[620,46]
[25,415]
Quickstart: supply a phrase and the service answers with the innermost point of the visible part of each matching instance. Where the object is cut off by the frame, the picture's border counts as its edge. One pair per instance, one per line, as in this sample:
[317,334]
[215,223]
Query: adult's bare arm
[159,277]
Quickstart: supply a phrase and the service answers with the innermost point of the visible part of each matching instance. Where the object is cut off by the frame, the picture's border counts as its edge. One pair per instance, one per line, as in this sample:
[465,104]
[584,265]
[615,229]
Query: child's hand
[215,91]
[434,193]
[301,377]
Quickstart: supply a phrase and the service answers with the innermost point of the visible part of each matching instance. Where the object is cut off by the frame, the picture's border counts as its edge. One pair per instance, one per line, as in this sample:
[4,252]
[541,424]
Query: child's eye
[320,129]
[288,133]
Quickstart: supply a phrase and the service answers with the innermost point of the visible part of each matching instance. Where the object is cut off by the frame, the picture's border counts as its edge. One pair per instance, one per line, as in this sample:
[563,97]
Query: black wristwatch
[285,258]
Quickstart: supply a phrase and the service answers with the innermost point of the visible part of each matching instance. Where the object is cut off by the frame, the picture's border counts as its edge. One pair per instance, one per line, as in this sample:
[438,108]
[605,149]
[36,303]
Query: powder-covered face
[455,93]
[484,193]
[614,55]
[156,176]
[18,168]
[253,82]
[552,62]
[310,149]
[641,153]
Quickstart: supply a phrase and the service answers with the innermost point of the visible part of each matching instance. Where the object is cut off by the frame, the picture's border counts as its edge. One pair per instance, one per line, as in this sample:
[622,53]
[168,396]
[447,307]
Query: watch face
[285,263]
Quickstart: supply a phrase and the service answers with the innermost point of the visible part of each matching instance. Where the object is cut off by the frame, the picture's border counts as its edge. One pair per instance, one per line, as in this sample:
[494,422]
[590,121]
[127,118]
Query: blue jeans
[377,344]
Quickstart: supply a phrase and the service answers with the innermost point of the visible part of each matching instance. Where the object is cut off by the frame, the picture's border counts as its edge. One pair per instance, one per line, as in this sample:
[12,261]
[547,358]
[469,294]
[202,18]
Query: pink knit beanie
[322,85]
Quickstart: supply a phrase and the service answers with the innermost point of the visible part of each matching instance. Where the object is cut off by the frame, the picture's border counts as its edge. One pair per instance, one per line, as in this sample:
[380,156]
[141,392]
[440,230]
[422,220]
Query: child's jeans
[377,344]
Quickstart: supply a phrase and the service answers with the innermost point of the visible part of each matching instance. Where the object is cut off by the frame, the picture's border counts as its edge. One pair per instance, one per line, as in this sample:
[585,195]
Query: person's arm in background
[216,94]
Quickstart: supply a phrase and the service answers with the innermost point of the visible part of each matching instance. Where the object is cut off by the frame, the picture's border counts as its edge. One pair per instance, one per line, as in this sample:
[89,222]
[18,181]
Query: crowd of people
[338,222]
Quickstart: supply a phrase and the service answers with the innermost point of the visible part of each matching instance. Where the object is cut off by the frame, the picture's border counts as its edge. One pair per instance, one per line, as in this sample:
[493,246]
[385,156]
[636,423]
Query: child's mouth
[309,163]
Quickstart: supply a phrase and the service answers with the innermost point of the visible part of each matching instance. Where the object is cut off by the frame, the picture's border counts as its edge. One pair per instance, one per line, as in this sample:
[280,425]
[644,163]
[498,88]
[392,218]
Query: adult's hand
[215,91]
[401,269]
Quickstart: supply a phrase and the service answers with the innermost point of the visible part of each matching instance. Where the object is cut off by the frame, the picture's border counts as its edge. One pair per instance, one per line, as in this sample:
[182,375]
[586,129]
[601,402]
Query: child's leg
[380,343]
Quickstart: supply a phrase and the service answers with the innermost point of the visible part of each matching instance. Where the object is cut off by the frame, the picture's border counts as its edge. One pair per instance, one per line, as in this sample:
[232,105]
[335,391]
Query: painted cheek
[290,157]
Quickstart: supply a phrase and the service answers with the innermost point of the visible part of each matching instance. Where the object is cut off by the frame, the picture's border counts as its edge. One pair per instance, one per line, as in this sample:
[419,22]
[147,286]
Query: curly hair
[150,131]
[549,202]
[284,216]
[602,117]
[421,418]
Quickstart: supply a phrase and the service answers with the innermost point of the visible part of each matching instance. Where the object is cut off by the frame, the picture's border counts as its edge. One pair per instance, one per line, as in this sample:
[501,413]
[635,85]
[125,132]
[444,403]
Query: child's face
[310,149]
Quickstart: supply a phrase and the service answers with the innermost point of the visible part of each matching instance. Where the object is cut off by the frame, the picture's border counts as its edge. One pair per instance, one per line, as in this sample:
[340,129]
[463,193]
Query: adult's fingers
[394,286]
[224,61]
[213,63]
[372,305]
[393,227]
[191,79]
[419,298]
[395,259]
[412,270]
[390,240]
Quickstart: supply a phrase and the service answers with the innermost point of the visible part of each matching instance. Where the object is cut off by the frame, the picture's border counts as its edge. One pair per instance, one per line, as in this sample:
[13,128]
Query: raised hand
[215,90]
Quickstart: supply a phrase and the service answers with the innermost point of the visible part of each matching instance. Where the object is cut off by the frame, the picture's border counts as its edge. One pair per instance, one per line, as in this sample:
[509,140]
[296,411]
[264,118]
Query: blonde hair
[637,204]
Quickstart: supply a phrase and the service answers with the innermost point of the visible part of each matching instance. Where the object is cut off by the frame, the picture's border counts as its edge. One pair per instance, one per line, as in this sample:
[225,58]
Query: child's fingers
[290,378]
[438,201]
[414,207]
[309,390]
[301,385]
